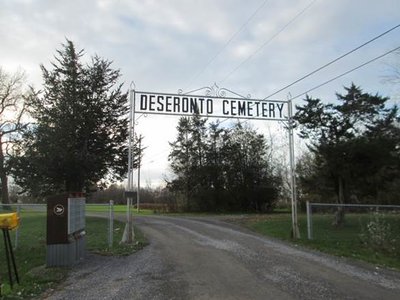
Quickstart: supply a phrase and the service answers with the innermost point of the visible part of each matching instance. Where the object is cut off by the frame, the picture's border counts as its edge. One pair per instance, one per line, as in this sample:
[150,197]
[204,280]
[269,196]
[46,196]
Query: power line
[268,41]
[333,79]
[333,61]
[345,73]
[226,44]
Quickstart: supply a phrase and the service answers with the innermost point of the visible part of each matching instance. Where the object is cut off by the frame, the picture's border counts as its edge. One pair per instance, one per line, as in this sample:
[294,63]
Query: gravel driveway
[202,258]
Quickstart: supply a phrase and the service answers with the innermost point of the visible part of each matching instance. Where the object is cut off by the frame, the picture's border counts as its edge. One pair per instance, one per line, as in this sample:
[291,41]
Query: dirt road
[195,258]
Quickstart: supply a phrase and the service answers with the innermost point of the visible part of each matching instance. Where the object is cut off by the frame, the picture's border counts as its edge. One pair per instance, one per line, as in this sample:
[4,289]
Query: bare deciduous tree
[12,109]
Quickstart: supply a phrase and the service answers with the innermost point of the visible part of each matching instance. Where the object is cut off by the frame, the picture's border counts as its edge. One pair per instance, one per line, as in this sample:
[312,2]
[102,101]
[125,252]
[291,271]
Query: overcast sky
[251,47]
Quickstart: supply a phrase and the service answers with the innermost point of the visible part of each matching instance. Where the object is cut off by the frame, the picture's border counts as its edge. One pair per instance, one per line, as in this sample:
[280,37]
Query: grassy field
[97,238]
[353,239]
[116,208]
[31,253]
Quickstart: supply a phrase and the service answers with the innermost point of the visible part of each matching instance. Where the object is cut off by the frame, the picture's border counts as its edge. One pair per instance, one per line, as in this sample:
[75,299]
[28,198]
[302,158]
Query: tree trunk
[74,186]
[3,176]
[339,215]
[4,188]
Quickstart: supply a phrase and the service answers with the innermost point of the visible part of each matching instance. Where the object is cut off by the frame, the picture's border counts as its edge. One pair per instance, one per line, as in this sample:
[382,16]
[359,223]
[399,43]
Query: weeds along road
[203,258]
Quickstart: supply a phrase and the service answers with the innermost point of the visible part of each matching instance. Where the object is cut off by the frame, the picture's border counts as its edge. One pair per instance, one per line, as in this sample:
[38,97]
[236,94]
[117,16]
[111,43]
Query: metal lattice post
[138,183]
[295,226]
[110,223]
[128,236]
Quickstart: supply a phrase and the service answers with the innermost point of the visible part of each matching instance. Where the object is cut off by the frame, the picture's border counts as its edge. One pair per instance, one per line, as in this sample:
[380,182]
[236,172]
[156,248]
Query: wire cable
[345,73]
[268,41]
[333,61]
[226,44]
[333,79]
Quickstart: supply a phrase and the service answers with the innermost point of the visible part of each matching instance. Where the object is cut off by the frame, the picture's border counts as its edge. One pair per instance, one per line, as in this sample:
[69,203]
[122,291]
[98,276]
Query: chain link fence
[39,211]
[376,226]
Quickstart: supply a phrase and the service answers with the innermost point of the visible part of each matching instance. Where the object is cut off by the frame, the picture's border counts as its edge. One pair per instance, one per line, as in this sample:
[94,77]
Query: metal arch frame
[128,235]
[213,91]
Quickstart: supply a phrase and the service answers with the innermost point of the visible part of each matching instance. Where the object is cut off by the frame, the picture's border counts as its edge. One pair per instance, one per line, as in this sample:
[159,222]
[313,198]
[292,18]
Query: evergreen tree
[188,158]
[221,169]
[80,133]
[215,162]
[344,139]
[180,158]
[250,181]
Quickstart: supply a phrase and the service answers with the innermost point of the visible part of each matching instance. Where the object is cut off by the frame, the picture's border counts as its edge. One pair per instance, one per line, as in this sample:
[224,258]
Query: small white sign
[58,209]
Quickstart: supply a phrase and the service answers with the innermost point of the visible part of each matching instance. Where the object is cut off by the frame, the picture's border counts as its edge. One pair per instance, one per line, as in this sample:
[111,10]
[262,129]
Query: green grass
[346,240]
[31,252]
[118,208]
[97,238]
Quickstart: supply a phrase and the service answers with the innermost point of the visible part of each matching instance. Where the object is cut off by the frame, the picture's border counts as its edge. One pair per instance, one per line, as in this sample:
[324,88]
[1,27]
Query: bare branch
[12,102]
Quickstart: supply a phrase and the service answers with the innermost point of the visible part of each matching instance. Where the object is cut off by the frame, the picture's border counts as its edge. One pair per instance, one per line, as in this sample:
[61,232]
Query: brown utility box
[65,229]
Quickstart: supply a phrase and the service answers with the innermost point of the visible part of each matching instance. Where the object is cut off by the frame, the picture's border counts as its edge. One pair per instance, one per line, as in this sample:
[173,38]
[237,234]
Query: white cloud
[162,45]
